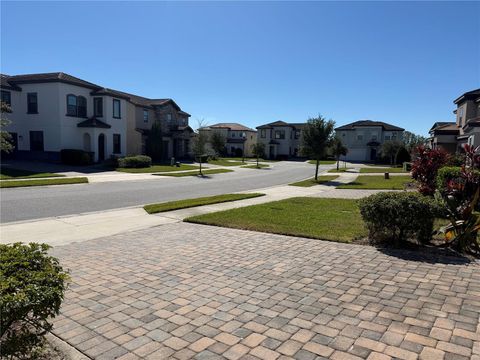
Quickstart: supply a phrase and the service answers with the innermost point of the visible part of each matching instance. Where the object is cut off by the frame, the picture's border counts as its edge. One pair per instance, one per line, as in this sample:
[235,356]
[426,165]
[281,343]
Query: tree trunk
[257,161]
[316,170]
[201,167]
[338,162]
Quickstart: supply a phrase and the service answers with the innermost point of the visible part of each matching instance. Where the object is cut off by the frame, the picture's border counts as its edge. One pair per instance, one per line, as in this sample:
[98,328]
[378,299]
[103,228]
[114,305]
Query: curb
[65,348]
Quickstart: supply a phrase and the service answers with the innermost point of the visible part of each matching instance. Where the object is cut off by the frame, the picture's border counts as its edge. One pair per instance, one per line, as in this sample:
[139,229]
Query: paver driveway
[192,291]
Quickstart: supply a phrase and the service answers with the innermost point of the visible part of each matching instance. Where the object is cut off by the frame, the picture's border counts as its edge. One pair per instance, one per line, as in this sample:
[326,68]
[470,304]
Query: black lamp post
[244,137]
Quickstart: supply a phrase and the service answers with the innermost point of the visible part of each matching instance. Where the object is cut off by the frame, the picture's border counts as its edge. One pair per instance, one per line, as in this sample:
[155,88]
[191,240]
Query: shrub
[398,217]
[138,161]
[402,155]
[33,286]
[425,167]
[76,157]
[452,173]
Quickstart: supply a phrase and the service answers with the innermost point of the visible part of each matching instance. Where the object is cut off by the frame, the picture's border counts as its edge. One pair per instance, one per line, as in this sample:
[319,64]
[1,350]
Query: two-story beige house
[239,139]
[451,136]
[364,138]
[282,140]
[55,111]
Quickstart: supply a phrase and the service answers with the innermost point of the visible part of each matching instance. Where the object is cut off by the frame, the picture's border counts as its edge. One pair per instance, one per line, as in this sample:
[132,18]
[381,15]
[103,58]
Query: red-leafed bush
[425,167]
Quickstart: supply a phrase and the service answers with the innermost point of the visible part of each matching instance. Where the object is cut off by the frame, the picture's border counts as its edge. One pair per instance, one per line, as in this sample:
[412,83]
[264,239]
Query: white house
[55,111]
[282,140]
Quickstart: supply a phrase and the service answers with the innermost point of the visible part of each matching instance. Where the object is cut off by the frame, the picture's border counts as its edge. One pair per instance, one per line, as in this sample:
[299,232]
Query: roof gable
[369,123]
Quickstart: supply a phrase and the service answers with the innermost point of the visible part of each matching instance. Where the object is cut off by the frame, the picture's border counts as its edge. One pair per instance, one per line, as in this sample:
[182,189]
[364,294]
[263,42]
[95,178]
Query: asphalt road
[40,202]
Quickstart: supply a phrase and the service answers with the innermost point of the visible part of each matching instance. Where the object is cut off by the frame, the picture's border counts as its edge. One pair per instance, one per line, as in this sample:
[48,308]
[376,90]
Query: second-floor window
[297,134]
[169,117]
[6,97]
[98,107]
[360,137]
[145,116]
[32,103]
[81,106]
[116,109]
[263,133]
[279,134]
[71,105]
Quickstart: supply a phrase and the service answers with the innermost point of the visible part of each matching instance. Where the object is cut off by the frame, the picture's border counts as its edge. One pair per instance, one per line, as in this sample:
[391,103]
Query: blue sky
[257,62]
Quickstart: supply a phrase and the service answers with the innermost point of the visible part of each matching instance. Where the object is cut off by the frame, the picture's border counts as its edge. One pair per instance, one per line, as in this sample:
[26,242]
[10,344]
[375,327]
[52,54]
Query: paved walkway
[67,229]
[186,291]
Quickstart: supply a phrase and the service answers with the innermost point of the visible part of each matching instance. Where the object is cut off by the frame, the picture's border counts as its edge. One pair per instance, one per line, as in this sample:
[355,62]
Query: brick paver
[191,291]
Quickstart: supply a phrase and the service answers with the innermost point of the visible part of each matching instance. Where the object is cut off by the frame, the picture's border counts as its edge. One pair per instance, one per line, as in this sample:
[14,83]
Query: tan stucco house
[239,139]
[282,140]
[364,138]
[451,136]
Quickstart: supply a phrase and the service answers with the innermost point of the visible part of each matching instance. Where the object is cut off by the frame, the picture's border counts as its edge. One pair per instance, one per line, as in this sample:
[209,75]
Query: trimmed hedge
[138,161]
[33,285]
[398,217]
[76,157]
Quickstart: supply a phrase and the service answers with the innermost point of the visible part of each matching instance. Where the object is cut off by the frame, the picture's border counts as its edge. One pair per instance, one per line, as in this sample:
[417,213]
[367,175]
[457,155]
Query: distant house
[281,139]
[451,136]
[55,111]
[239,138]
[364,138]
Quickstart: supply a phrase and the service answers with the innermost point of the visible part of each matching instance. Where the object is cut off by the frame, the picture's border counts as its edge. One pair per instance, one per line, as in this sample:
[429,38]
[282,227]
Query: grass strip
[378,182]
[322,162]
[223,162]
[195,173]
[260,166]
[157,168]
[312,181]
[12,173]
[42,182]
[383,170]
[339,170]
[188,203]
[318,218]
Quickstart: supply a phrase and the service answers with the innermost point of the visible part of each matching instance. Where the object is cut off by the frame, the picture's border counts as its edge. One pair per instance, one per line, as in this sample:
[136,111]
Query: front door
[101,147]
[373,154]
[272,152]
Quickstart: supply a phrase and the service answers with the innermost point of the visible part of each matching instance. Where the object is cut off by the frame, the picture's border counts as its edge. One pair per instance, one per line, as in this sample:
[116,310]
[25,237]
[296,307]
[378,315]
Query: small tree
[154,142]
[198,149]
[258,150]
[317,137]
[389,150]
[338,149]
[5,137]
[218,142]
[402,155]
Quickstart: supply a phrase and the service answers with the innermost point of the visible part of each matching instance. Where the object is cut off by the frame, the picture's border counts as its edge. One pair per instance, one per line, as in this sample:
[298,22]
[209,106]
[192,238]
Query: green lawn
[157,168]
[224,162]
[382,170]
[195,173]
[339,170]
[260,166]
[378,182]
[327,219]
[249,159]
[188,203]
[312,181]
[11,173]
[322,162]
[42,182]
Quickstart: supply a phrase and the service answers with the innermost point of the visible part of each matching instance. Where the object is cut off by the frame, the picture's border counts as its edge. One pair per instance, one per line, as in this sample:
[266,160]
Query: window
[374,136]
[297,134]
[145,116]
[98,107]
[387,137]
[36,140]
[169,117]
[81,106]
[394,136]
[232,134]
[360,137]
[71,105]
[32,104]
[6,97]
[116,144]
[116,109]
[279,134]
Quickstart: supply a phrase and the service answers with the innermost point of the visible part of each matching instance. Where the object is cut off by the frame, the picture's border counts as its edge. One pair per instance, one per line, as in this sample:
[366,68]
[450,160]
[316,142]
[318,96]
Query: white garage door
[356,155]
